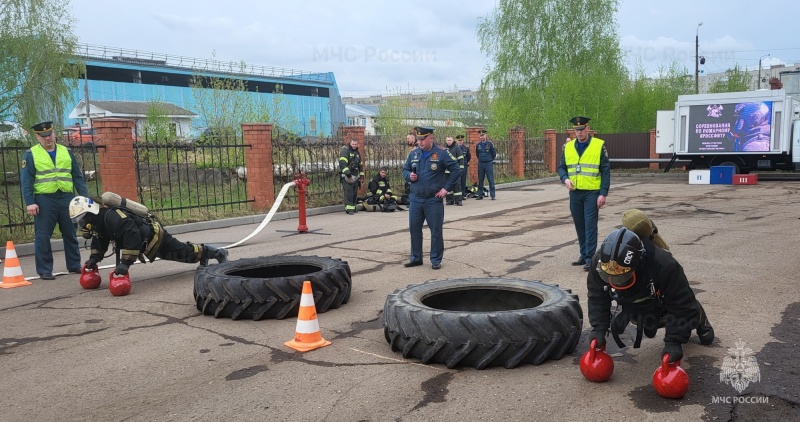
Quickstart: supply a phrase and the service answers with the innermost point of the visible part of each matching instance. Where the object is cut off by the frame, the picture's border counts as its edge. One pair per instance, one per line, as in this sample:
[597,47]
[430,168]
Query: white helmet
[80,205]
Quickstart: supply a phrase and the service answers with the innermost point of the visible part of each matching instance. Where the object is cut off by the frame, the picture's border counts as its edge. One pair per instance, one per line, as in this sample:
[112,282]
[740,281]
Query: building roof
[128,109]
[140,107]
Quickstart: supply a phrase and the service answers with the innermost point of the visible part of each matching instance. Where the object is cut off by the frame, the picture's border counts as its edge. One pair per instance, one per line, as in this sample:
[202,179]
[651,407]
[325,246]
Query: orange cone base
[11,284]
[307,347]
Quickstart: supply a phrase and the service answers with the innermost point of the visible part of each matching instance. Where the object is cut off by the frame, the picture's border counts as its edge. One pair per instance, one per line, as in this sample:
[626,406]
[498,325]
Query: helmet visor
[617,276]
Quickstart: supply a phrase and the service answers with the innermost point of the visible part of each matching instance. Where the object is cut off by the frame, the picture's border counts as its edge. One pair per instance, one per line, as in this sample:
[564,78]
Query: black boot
[704,329]
[221,255]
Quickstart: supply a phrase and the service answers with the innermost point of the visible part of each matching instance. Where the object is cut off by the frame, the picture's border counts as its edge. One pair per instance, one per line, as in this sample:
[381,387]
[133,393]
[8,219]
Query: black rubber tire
[483,322]
[232,290]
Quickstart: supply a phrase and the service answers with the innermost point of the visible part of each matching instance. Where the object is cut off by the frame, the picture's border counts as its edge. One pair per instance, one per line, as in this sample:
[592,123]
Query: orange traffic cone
[307,336]
[12,272]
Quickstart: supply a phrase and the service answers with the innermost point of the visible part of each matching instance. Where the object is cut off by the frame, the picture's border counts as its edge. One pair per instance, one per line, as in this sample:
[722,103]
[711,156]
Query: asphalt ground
[72,354]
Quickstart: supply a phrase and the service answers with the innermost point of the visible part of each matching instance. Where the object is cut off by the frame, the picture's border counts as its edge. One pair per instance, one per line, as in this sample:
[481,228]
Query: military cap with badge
[43,128]
[423,132]
[579,122]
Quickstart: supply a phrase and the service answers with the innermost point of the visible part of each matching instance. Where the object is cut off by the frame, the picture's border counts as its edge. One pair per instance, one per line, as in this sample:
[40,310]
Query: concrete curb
[27,249]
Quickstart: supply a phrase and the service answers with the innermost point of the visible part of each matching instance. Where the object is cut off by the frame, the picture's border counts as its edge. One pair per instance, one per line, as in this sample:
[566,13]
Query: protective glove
[674,350]
[91,263]
[600,336]
[122,268]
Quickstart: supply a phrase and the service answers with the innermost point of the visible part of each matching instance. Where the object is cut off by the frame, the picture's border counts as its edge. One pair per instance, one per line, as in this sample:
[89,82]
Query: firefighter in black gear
[650,289]
[352,174]
[136,237]
[381,193]
[465,165]
[454,196]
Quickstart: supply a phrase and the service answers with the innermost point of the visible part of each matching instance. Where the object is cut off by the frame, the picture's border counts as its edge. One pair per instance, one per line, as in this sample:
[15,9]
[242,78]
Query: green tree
[157,125]
[552,59]
[644,95]
[735,80]
[38,68]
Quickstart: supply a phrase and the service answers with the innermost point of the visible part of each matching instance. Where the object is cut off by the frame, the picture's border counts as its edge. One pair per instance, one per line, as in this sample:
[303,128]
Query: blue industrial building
[312,100]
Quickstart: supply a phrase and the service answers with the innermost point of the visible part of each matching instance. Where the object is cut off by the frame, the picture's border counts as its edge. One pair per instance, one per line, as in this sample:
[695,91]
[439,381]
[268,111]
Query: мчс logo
[739,368]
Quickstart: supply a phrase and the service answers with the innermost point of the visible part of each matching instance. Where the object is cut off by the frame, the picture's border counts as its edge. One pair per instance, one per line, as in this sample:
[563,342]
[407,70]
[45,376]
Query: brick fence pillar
[117,160]
[472,139]
[357,133]
[260,169]
[653,155]
[550,150]
[517,150]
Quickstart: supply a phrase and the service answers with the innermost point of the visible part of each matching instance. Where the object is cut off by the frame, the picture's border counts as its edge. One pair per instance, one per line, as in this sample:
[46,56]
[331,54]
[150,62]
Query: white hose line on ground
[267,219]
[258,229]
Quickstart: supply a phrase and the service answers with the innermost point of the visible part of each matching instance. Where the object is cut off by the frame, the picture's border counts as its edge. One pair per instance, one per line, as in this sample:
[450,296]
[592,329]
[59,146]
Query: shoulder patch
[23,163]
[121,214]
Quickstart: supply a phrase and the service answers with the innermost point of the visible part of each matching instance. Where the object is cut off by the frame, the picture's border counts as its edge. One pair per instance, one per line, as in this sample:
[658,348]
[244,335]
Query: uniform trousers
[54,208]
[583,207]
[485,169]
[430,210]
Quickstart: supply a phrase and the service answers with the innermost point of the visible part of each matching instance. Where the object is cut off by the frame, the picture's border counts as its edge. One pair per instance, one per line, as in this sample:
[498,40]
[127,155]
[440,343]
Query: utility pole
[697,59]
[759,69]
[86,97]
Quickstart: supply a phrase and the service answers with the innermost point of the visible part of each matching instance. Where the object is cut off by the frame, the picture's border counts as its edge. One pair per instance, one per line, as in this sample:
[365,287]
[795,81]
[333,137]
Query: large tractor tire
[482,322]
[270,287]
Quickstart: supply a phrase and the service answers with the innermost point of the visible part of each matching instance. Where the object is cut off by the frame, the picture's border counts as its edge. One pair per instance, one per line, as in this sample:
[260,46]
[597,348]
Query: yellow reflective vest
[584,170]
[52,177]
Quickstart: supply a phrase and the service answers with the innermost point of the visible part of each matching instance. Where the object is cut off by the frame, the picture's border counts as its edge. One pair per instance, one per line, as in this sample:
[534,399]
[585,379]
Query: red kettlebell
[119,285]
[90,279]
[670,380]
[596,364]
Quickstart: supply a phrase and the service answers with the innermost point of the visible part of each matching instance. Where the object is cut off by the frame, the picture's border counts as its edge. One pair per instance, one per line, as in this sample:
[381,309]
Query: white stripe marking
[307,300]
[307,327]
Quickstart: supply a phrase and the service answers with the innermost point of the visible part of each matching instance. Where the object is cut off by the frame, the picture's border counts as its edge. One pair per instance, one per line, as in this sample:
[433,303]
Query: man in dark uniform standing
[352,174]
[650,287]
[135,236]
[486,154]
[586,172]
[454,196]
[467,156]
[425,172]
[50,175]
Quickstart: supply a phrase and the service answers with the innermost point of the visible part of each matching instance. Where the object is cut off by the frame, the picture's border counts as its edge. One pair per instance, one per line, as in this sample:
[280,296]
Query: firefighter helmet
[620,254]
[79,206]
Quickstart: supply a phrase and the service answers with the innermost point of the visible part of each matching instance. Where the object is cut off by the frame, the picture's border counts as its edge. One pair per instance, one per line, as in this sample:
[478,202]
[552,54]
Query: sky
[380,47]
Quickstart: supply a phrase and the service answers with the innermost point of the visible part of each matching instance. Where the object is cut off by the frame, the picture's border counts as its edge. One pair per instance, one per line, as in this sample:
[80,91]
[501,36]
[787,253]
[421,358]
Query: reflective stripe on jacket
[52,177]
[588,178]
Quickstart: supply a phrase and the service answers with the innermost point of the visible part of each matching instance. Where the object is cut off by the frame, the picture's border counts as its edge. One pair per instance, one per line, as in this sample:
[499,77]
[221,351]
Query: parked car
[12,131]
[82,136]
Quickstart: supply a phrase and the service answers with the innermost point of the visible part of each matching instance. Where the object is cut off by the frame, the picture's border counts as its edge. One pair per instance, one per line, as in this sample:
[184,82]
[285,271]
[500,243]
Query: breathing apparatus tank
[111,199]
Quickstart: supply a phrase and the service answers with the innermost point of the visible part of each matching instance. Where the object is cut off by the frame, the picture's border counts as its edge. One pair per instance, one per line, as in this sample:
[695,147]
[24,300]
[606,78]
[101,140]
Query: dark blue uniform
[486,154]
[53,208]
[430,167]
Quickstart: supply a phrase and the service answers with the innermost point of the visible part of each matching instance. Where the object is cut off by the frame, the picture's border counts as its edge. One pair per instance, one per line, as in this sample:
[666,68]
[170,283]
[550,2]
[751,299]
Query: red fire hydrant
[300,182]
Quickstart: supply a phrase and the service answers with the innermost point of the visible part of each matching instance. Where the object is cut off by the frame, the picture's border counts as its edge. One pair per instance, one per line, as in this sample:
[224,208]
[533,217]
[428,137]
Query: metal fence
[15,223]
[186,181]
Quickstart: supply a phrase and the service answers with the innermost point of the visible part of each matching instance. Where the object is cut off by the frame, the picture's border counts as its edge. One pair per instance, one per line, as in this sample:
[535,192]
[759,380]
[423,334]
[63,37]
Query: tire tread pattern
[221,293]
[483,339]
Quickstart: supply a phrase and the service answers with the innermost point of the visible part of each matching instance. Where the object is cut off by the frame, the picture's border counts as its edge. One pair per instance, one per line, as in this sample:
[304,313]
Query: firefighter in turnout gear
[455,196]
[464,165]
[352,174]
[381,193]
[134,236]
[650,289]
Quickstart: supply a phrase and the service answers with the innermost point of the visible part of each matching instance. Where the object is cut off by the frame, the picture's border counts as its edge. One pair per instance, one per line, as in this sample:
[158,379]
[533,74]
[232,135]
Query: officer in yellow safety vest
[586,171]
[50,175]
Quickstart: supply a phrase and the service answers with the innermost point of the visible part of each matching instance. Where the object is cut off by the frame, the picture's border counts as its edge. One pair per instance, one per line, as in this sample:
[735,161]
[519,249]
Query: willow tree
[646,94]
[38,68]
[552,59]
